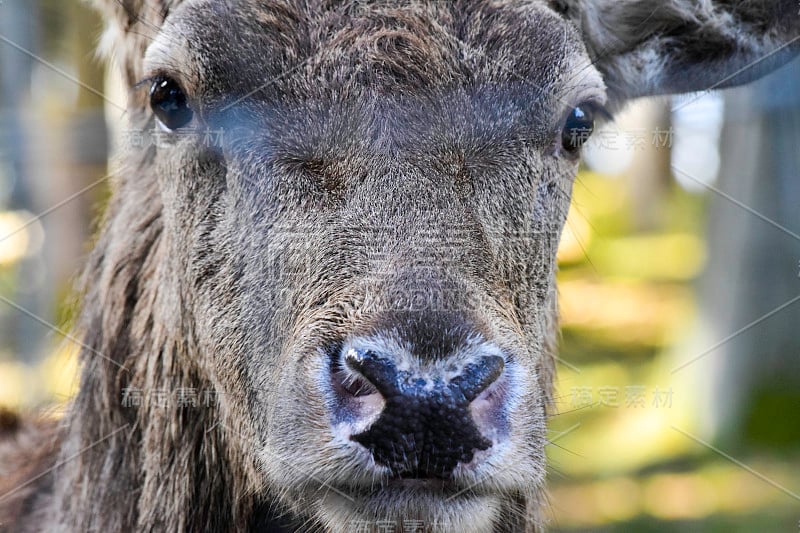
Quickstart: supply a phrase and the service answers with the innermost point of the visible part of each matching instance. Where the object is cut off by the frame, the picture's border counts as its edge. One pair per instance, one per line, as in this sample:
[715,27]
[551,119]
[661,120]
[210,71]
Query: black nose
[426,427]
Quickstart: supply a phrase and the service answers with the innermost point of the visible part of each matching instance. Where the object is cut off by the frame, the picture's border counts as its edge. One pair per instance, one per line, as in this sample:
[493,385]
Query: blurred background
[679,378]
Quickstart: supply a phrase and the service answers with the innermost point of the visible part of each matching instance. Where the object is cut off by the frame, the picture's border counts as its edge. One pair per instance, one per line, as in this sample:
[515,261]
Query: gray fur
[357,132]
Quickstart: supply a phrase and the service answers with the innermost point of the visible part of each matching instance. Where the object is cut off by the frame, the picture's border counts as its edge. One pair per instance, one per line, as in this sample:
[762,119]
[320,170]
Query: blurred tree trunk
[86,151]
[54,141]
[18,24]
[68,173]
[755,266]
[649,173]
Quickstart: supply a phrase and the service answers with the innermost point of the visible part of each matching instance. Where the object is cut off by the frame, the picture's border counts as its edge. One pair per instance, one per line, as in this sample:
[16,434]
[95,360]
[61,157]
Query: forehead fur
[337,50]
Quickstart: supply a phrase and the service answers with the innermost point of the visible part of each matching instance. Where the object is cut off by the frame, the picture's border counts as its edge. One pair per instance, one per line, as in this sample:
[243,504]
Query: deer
[360,270]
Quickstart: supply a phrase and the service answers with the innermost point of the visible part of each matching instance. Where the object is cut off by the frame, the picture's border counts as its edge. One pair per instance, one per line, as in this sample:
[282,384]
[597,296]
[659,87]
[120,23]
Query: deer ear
[645,48]
[131,25]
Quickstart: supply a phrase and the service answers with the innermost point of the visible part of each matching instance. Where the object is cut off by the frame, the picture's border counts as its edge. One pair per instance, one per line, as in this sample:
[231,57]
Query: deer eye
[169,103]
[578,128]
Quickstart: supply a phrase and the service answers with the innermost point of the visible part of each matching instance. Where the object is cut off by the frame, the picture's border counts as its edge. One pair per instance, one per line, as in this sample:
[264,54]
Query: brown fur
[358,131]
[29,449]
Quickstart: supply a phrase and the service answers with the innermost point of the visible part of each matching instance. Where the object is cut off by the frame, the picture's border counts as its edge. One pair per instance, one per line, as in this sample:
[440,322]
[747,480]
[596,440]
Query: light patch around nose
[354,414]
[361,410]
[489,410]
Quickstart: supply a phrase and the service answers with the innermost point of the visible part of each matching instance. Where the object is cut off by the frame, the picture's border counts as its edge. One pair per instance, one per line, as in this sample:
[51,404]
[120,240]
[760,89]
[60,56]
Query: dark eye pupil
[578,129]
[169,104]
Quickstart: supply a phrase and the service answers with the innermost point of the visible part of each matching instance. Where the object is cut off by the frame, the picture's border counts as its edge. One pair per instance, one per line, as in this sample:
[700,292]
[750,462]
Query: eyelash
[145,82]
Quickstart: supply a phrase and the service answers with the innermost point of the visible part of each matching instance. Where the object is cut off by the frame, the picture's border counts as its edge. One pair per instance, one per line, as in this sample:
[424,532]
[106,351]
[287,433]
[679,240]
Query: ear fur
[646,47]
[131,25]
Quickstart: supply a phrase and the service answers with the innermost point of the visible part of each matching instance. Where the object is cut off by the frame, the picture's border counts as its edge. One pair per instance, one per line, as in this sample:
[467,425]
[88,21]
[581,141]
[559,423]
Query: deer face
[362,204]
[370,250]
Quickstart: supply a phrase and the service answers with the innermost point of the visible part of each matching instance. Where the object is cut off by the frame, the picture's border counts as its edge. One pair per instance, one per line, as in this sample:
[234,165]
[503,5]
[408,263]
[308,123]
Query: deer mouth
[436,504]
[441,488]
[401,488]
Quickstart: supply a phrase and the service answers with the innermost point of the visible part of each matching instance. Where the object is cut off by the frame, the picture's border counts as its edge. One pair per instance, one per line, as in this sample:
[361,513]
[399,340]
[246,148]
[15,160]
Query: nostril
[478,376]
[358,386]
[378,371]
[352,383]
[355,401]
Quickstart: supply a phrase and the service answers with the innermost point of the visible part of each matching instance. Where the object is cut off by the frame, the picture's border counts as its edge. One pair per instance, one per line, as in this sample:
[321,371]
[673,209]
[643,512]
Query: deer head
[362,263]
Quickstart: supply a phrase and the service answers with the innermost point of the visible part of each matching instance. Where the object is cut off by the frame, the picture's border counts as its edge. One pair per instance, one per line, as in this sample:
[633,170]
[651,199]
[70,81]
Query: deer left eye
[169,104]
[578,128]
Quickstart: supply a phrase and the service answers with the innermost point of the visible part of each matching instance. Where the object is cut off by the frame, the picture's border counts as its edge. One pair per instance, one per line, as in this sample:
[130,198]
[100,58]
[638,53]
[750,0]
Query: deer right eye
[169,103]
[578,128]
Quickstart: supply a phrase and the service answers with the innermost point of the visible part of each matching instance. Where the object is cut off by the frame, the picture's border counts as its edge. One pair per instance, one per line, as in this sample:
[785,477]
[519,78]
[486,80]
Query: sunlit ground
[627,453]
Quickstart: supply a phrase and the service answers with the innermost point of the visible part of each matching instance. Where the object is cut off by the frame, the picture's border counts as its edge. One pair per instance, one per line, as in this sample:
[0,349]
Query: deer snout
[427,416]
